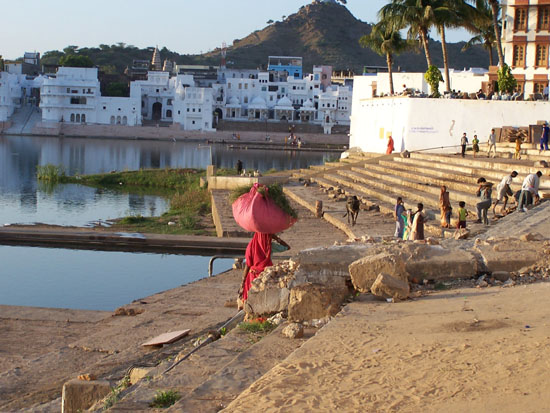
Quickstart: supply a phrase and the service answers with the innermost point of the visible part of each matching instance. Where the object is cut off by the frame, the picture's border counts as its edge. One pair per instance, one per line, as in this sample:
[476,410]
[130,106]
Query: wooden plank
[166,338]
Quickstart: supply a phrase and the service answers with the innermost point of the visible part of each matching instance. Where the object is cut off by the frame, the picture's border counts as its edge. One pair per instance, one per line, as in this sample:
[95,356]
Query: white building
[436,124]
[73,96]
[259,96]
[525,43]
[11,94]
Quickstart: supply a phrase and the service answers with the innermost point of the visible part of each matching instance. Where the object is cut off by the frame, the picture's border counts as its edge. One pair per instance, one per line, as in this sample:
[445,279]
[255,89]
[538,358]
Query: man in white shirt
[529,191]
[504,190]
[492,142]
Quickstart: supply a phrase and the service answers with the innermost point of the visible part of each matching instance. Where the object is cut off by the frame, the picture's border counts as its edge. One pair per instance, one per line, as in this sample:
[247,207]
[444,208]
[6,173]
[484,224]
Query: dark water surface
[92,280]
[24,200]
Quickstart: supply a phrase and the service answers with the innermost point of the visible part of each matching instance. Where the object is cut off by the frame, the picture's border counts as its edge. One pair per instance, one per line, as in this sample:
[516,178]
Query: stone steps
[366,175]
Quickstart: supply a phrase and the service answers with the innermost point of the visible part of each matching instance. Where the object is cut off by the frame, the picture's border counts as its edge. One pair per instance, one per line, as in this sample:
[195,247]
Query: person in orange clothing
[390,147]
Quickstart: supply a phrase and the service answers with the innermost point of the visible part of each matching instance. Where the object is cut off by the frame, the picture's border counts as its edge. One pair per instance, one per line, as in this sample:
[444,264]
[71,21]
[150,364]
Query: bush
[164,399]
[506,81]
[433,76]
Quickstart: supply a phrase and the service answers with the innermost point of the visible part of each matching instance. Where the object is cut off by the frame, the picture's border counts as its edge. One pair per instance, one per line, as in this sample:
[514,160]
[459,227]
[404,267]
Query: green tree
[117,89]
[70,49]
[479,22]
[76,60]
[495,9]
[506,81]
[385,40]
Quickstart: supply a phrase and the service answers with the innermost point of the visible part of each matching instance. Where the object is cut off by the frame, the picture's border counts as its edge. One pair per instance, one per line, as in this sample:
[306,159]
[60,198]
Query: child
[463,143]
[462,214]
[517,154]
[475,145]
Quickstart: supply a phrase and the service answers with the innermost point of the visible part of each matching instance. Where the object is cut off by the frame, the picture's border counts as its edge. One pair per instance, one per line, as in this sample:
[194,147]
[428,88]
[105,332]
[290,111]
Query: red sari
[258,257]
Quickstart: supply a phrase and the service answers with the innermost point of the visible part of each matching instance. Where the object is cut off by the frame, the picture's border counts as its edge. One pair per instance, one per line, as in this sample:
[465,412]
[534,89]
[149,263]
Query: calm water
[24,200]
[92,280]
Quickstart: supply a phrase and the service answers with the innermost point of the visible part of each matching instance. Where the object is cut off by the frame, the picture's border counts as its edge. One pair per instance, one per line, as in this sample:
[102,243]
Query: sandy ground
[466,350]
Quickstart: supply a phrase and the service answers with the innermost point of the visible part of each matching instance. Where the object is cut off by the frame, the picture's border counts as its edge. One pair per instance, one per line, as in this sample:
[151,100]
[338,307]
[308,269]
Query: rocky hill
[327,33]
[322,33]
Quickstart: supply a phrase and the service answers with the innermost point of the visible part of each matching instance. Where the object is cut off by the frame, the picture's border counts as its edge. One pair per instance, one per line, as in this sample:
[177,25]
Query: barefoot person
[445,207]
[504,190]
[258,257]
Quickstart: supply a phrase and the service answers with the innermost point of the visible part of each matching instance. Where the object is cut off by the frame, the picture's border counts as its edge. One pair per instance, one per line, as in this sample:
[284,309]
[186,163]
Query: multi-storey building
[526,41]
[10,94]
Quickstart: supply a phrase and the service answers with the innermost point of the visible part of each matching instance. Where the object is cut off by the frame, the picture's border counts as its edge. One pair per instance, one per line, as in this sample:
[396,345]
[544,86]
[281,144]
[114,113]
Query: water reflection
[23,200]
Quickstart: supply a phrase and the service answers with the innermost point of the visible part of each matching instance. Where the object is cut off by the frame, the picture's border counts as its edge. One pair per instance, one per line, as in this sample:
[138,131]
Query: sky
[183,26]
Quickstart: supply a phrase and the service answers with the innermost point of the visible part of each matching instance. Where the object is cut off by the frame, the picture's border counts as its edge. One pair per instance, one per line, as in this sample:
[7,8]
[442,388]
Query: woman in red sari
[257,258]
[390,147]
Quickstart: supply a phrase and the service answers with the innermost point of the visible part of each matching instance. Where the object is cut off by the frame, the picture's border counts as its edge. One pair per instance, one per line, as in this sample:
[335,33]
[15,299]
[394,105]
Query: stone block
[501,275]
[364,272]
[269,300]
[311,302]
[386,286]
[79,395]
[433,262]
[509,254]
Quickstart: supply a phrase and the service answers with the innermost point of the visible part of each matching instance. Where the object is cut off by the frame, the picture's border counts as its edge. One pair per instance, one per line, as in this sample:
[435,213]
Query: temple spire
[155,61]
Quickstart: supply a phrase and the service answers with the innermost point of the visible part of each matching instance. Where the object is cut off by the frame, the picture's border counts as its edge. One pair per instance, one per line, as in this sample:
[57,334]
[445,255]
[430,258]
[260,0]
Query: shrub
[164,399]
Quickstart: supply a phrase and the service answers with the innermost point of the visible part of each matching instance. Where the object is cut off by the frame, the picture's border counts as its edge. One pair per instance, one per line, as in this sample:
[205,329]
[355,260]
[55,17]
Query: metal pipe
[211,262]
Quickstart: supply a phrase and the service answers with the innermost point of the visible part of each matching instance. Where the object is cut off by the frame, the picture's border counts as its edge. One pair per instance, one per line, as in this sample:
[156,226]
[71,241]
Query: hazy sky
[184,26]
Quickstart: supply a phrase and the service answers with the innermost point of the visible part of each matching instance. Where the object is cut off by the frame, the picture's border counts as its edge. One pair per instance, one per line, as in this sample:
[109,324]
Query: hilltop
[322,33]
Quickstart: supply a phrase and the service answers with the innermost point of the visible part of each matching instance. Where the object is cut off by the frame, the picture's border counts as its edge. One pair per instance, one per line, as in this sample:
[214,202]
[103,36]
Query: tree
[76,60]
[269,21]
[479,21]
[385,40]
[495,8]
[70,49]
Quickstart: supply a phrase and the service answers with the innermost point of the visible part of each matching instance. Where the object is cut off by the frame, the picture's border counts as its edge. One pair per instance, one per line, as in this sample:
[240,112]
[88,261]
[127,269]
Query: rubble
[389,287]
[293,330]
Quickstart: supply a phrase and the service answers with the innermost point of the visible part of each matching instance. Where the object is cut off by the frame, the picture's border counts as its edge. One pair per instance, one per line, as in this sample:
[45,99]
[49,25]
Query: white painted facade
[73,96]
[10,94]
[526,43]
[257,96]
[438,124]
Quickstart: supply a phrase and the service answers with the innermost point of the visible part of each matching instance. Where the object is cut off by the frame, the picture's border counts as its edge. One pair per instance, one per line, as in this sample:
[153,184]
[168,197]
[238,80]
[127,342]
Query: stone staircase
[529,151]
[380,179]
[23,120]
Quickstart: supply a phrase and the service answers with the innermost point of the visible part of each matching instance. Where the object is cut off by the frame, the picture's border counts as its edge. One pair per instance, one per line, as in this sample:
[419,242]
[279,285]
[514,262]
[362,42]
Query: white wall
[421,123]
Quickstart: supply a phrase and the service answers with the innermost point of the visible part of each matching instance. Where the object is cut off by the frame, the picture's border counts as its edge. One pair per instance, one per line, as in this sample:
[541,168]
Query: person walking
[492,142]
[484,192]
[517,153]
[390,147]
[399,218]
[529,191]
[544,137]
[463,143]
[445,207]
[503,191]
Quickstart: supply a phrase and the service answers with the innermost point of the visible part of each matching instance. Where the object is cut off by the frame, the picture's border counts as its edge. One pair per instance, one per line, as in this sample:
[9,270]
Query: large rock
[327,266]
[309,302]
[79,395]
[386,286]
[434,262]
[364,272]
[509,254]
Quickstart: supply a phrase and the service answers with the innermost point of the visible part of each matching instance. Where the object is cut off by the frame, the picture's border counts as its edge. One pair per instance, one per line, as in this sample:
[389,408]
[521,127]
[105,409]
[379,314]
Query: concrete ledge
[79,395]
[234,182]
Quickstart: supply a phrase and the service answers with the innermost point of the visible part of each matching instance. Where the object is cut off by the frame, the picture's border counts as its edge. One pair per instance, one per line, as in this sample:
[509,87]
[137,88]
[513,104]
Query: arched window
[112,120]
[72,117]
[118,120]
[168,113]
[124,120]
[78,118]
[83,118]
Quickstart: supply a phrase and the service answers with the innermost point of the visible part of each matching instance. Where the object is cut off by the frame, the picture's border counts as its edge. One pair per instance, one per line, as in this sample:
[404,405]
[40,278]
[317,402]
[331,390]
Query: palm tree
[495,8]
[412,14]
[480,22]
[385,40]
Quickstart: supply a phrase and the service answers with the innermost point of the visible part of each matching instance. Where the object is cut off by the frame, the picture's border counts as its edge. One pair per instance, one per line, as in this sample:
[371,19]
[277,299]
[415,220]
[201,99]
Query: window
[68,90]
[72,117]
[519,55]
[78,118]
[78,100]
[543,20]
[104,107]
[199,109]
[193,109]
[158,90]
[169,102]
[240,86]
[187,109]
[179,112]
[83,118]
[229,85]
[168,113]
[541,58]
[193,122]
[246,85]
[124,120]
[246,99]
[520,19]
[539,87]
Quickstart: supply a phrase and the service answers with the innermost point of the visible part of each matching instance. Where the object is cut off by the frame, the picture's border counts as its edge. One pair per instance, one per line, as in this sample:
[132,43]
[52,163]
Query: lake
[98,280]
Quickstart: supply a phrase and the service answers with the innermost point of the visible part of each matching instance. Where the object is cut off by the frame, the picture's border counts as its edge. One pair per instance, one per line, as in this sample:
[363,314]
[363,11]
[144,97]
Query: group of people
[409,225]
[491,143]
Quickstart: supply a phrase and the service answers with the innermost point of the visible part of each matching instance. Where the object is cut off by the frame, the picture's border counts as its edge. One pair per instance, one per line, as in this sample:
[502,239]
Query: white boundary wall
[421,123]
